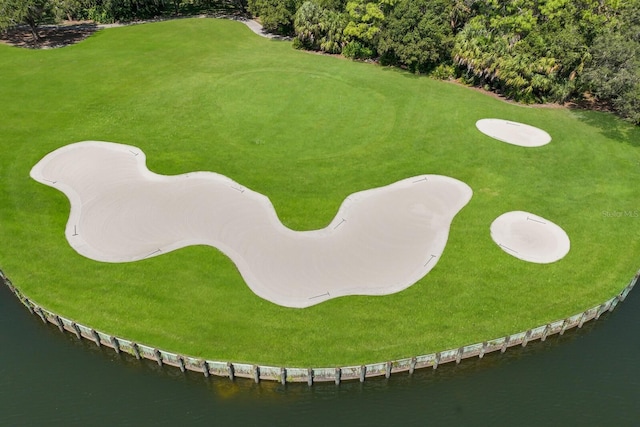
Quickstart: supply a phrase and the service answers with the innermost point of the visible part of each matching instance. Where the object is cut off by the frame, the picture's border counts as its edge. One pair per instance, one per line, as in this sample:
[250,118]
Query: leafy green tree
[30,12]
[335,5]
[418,34]
[69,9]
[365,19]
[613,76]
[125,10]
[276,16]
[613,73]
[365,22]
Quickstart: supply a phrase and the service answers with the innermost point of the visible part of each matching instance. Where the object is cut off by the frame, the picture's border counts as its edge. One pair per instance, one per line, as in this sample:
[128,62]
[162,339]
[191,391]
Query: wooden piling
[412,365]
[505,344]
[483,350]
[59,323]
[338,374]
[545,332]
[582,319]
[256,373]
[29,306]
[600,311]
[564,327]
[76,329]
[363,373]
[136,350]
[205,368]
[623,294]
[40,313]
[230,371]
[116,344]
[158,355]
[309,377]
[96,337]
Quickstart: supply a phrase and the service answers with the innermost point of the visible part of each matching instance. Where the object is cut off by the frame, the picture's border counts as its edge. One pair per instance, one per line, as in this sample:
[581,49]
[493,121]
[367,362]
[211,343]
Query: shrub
[355,50]
[444,71]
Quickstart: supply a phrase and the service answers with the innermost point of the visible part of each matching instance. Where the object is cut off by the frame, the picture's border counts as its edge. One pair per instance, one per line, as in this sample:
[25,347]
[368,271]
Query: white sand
[529,237]
[381,241]
[513,132]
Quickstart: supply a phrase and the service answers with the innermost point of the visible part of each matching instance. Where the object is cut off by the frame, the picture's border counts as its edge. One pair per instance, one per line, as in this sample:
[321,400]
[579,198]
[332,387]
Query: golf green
[306,131]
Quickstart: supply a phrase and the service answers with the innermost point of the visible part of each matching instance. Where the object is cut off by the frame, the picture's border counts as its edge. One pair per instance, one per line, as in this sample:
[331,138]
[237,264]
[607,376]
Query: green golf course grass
[306,131]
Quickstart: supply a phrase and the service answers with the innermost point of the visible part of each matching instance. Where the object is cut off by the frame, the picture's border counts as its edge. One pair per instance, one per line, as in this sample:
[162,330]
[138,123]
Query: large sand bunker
[381,241]
[529,237]
[513,132]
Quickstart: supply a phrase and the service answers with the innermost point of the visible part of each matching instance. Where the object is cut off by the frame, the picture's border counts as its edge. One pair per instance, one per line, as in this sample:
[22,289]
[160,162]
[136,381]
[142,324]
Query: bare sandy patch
[381,240]
[513,132]
[530,237]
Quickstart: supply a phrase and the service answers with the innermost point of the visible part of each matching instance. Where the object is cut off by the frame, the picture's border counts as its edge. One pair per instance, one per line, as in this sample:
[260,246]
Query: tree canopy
[418,34]
[30,12]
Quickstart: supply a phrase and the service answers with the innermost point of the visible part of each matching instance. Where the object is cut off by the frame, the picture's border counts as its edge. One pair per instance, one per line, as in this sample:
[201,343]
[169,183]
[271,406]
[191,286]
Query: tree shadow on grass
[609,125]
[48,36]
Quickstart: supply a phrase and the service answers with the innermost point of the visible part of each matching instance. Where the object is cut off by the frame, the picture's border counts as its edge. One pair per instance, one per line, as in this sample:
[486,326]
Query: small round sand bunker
[529,237]
[513,132]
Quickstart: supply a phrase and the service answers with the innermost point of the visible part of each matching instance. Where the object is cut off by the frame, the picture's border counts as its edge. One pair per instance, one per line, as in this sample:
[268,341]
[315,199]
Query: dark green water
[588,377]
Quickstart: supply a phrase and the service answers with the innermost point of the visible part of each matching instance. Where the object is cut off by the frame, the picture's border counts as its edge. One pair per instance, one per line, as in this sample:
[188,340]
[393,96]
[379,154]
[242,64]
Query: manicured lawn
[305,130]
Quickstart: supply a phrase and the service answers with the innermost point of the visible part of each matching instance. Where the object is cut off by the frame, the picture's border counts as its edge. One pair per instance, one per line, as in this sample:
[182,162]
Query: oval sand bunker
[381,241]
[513,132]
[529,237]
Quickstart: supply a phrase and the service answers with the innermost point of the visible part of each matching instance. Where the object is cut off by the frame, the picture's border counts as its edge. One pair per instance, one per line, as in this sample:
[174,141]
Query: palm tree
[332,40]
[307,24]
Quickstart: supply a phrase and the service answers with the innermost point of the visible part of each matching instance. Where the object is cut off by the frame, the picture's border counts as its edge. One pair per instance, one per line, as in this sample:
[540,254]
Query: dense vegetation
[527,50]
[306,131]
[36,12]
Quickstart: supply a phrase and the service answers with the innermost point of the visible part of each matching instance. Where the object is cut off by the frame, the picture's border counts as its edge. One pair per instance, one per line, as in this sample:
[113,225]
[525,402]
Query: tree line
[36,12]
[527,50]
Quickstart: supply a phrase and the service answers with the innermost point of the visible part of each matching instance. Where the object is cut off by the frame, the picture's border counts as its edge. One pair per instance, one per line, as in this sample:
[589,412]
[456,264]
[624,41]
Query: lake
[588,377]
